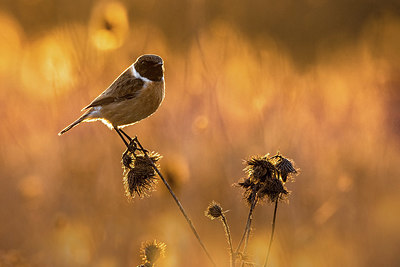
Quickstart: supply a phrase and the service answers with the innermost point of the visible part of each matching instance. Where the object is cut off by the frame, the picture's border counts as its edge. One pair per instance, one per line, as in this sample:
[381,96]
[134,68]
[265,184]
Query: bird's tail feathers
[72,125]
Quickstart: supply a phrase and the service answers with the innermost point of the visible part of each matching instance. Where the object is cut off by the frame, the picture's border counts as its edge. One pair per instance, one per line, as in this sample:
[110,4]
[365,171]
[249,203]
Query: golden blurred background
[317,80]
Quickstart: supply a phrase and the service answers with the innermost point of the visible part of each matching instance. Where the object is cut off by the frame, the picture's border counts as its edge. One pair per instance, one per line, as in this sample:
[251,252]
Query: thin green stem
[177,202]
[272,232]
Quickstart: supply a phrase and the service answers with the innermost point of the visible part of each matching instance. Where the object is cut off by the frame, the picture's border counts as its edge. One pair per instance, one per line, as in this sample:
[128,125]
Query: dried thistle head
[151,251]
[127,159]
[129,155]
[285,167]
[214,210]
[266,177]
[139,175]
[261,171]
[260,168]
[250,189]
[273,190]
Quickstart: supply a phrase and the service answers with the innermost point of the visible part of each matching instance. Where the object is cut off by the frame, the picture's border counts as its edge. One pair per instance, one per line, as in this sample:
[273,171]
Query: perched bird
[133,96]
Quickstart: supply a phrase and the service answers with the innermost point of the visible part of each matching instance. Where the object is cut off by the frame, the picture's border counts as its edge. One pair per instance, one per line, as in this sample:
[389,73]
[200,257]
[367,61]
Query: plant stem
[272,232]
[228,234]
[177,202]
[253,205]
[248,224]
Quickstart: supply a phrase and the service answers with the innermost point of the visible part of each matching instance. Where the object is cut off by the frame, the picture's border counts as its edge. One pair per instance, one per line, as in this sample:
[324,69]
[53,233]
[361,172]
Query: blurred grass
[229,95]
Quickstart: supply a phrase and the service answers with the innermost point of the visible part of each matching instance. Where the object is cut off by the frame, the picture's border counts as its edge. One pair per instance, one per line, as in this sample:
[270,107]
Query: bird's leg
[136,140]
[126,135]
[128,146]
[132,142]
[132,146]
[122,137]
[126,158]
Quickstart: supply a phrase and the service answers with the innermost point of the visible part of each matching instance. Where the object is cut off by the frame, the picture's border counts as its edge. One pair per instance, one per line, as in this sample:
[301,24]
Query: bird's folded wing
[123,88]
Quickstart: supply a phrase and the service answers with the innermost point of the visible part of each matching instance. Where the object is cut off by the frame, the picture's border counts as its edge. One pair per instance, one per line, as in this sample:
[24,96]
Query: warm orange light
[11,37]
[109,25]
[48,67]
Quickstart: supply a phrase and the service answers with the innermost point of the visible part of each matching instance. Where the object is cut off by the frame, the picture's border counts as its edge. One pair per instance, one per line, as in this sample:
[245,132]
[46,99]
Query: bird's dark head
[150,67]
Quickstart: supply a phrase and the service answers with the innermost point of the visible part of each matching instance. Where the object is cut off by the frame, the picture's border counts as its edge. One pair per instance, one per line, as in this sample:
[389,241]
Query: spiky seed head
[127,159]
[272,189]
[285,167]
[140,177]
[266,177]
[214,210]
[246,183]
[250,189]
[260,168]
[151,251]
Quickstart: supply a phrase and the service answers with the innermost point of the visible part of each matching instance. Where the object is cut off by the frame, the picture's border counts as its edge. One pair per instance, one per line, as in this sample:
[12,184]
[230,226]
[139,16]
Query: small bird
[133,96]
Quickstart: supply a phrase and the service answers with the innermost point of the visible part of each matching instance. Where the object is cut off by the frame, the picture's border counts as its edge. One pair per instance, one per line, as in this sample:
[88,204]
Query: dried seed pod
[140,178]
[151,251]
[214,210]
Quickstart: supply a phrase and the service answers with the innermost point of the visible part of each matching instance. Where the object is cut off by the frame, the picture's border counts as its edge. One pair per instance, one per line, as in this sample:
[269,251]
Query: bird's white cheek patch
[137,75]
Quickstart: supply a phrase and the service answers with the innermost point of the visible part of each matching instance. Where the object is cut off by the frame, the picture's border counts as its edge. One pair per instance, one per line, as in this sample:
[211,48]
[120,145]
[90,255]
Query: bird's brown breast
[130,111]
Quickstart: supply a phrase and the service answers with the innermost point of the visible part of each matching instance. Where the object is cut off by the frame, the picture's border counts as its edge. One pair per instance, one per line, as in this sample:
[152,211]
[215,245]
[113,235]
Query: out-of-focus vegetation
[317,80]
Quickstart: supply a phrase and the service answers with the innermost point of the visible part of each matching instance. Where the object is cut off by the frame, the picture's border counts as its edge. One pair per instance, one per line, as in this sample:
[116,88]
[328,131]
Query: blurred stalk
[136,141]
[228,235]
[246,233]
[272,232]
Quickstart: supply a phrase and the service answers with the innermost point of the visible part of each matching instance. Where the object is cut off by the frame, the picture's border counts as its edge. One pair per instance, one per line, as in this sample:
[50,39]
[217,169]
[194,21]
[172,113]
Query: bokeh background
[317,80]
